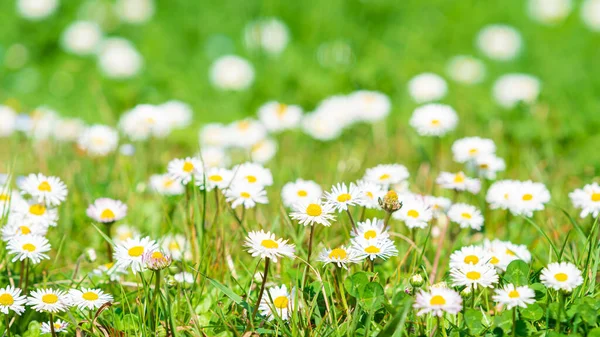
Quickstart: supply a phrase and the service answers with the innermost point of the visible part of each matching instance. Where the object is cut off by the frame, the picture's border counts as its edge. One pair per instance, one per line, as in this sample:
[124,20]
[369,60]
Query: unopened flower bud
[90,255]
[416,281]
[390,202]
[156,260]
[465,293]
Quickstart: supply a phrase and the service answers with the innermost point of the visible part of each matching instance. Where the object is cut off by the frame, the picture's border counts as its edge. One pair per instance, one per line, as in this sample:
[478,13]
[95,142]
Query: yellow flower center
[595,196]
[245,195]
[459,178]
[472,259]
[251,179]
[513,294]
[484,166]
[281,109]
[107,214]
[269,244]
[472,151]
[338,254]
[168,183]
[473,275]
[437,300]
[372,250]
[391,194]
[188,167]
[25,230]
[215,177]
[49,298]
[435,122]
[302,193]
[57,326]
[157,255]
[344,197]
[510,252]
[370,195]
[494,260]
[243,125]
[561,277]
[413,213]
[370,234]
[37,209]
[466,215]
[45,187]
[136,251]
[90,296]
[281,302]
[4,197]
[173,245]
[6,299]
[314,210]
[108,265]
[29,247]
[384,176]
[527,197]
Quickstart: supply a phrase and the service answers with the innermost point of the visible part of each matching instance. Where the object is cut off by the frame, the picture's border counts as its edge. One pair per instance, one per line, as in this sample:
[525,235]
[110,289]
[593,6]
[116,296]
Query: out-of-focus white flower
[427,87]
[145,121]
[549,11]
[213,157]
[488,165]
[68,129]
[277,117]
[119,59]
[127,150]
[466,69]
[321,127]
[263,151]
[82,38]
[231,72]
[135,11]
[590,14]
[300,191]
[246,133]
[270,34]
[98,140]
[469,148]
[8,121]
[36,9]
[370,106]
[499,42]
[528,197]
[434,119]
[511,89]
[214,135]
[42,123]
[177,113]
[164,184]
[459,182]
[587,199]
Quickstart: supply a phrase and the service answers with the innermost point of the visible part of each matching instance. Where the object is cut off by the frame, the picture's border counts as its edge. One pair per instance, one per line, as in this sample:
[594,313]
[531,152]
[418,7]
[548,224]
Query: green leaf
[533,312]
[473,319]
[594,332]
[522,328]
[504,320]
[396,325]
[517,273]
[226,291]
[371,296]
[355,283]
[540,291]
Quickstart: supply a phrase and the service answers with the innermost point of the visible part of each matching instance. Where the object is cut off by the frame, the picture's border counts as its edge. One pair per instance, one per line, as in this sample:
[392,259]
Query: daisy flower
[32,213]
[231,72]
[8,200]
[118,58]
[561,276]
[269,34]
[438,205]
[512,250]
[214,136]
[277,117]
[163,184]
[529,197]
[342,196]
[300,191]
[176,246]
[15,227]
[500,256]
[500,194]
[246,133]
[46,190]
[488,165]
[263,151]
[467,216]
[178,114]
[427,87]
[124,232]
[12,300]
[48,300]
[278,301]
[499,42]
[113,272]
[88,298]
[469,148]
[340,256]
[371,229]
[434,119]
[216,178]
[386,174]
[252,173]
[458,182]
[321,127]
[590,14]
[371,193]
[247,195]
[184,170]
[469,255]
[466,69]
[107,210]
[383,248]
[414,212]
[438,301]
[512,89]
[474,275]
[59,326]
[129,254]
[184,277]
[98,140]
[81,37]
[36,10]
[9,120]
[549,12]
[513,296]
[28,247]
[266,245]
[372,106]
[587,199]
[309,213]
[213,157]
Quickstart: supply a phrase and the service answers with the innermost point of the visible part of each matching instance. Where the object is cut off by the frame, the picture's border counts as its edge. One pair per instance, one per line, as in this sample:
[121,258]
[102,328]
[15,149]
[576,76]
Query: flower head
[107,210]
[12,300]
[88,298]
[266,245]
[46,190]
[29,247]
[278,301]
[311,212]
[48,300]
[438,301]
[129,254]
[513,296]
[340,256]
[561,276]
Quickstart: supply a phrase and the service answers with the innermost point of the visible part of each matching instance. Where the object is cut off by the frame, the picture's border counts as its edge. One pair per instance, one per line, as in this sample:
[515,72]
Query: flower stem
[561,304]
[109,251]
[310,242]
[7,325]
[52,326]
[514,318]
[351,220]
[473,295]
[262,287]
[154,297]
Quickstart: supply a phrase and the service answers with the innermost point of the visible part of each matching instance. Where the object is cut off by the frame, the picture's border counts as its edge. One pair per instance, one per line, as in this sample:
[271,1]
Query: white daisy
[217,178]
[263,151]
[252,173]
[113,272]
[266,245]
[499,42]
[8,200]
[98,140]
[124,232]
[163,184]
[145,121]
[88,298]
[590,14]
[321,126]
[185,170]
[371,229]
[269,34]
[427,87]
[502,253]
[474,275]
[466,69]
[459,182]
[467,216]
[340,256]
[176,246]
[371,106]
[36,9]
[278,301]
[469,255]
[511,89]
[28,247]
[414,212]
[561,276]
[9,121]
[300,191]
[488,165]
[81,37]
[277,117]
[342,196]
[33,213]
[434,119]
[528,198]
[184,277]
[311,212]
[246,133]
[214,135]
[129,253]
[438,301]
[48,300]
[469,148]
[46,190]
[15,227]
[549,12]
[513,296]
[587,199]
[438,205]
[177,113]
[500,194]
[119,59]
[12,300]
[386,174]
[213,157]
[231,72]
[59,326]
[107,210]
[371,193]
[245,194]
[383,248]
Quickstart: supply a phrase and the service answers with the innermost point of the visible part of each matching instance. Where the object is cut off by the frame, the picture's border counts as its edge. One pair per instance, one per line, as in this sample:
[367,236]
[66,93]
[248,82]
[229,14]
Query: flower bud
[90,255]
[156,260]
[390,202]
[417,281]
